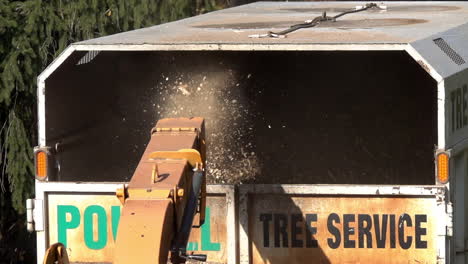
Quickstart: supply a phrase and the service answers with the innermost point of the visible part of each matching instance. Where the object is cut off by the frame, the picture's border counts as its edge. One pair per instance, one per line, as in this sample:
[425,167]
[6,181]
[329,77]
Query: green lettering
[206,244]
[63,225]
[115,214]
[101,227]
[191,246]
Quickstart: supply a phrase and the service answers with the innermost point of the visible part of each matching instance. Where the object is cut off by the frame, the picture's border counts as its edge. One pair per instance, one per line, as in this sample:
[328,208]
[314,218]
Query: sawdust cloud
[218,97]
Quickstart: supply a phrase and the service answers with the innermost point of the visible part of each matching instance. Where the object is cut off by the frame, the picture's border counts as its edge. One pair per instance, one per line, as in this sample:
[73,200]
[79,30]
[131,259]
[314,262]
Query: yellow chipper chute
[163,197]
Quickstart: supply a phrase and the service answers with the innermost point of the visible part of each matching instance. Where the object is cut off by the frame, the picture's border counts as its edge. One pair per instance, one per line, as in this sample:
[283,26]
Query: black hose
[318,20]
[181,239]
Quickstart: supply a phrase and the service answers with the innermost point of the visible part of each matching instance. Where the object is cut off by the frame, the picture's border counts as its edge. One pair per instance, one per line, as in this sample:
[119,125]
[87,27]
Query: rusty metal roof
[399,23]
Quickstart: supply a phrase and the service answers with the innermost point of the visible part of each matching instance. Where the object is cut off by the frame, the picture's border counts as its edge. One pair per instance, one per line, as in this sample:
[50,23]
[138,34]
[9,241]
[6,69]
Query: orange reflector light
[443,167]
[41,165]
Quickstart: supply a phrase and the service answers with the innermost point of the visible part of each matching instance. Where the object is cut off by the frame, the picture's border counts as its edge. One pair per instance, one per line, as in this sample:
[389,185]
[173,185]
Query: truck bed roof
[400,23]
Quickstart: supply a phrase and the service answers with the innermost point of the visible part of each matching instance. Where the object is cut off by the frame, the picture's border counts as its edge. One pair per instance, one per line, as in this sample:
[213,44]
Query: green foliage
[19,173]
[203,6]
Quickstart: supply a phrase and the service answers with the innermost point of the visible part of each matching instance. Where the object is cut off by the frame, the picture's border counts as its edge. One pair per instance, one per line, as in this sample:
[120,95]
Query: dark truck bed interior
[271,117]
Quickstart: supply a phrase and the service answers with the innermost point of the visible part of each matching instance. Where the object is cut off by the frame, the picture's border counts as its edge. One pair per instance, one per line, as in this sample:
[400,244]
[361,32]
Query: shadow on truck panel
[271,117]
[294,224]
[281,232]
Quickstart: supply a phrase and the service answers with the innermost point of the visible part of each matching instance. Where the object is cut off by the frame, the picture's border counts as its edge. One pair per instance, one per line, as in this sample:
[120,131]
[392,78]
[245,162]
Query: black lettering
[380,230]
[392,231]
[452,99]
[404,244]
[420,231]
[266,218]
[364,230]
[295,230]
[334,231]
[311,231]
[459,109]
[348,243]
[281,225]
[465,105]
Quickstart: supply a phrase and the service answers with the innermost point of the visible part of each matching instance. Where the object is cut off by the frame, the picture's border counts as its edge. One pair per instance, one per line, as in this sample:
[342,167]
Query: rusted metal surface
[145,231]
[341,224]
[423,65]
[342,229]
[401,22]
[153,213]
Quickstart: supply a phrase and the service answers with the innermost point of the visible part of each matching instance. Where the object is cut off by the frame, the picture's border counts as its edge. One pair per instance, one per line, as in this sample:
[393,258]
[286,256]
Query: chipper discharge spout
[165,193]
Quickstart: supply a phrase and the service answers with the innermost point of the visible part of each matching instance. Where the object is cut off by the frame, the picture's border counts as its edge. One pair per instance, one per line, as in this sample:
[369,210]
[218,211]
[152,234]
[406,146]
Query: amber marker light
[41,165]
[442,167]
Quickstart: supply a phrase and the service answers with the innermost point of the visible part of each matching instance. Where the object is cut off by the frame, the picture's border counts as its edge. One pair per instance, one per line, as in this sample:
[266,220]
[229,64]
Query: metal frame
[43,189]
[438,192]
